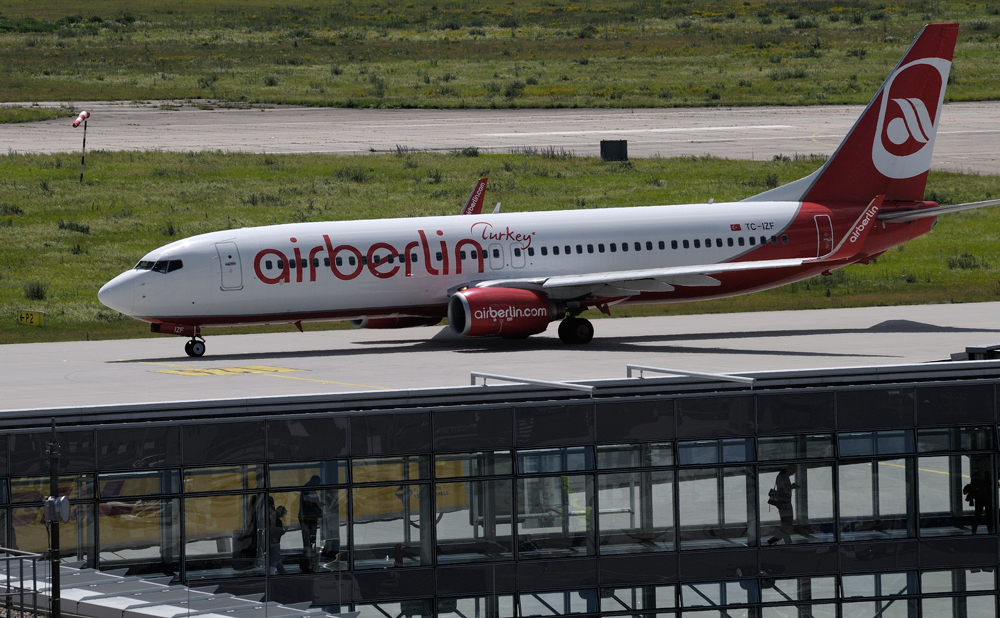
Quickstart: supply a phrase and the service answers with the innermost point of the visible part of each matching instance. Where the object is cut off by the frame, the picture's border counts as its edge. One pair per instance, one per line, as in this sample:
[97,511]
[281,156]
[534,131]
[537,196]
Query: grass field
[63,240]
[459,53]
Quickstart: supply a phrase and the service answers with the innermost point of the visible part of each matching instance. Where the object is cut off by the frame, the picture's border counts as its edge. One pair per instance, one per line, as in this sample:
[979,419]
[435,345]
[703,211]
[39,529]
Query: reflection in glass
[147,483]
[30,533]
[796,503]
[225,535]
[485,463]
[140,535]
[635,455]
[224,478]
[955,439]
[888,608]
[562,603]
[867,443]
[879,584]
[717,507]
[820,610]
[543,460]
[391,526]
[388,469]
[958,580]
[330,472]
[474,521]
[638,598]
[795,447]
[798,589]
[555,516]
[500,606]
[413,608]
[715,594]
[637,511]
[983,606]
[733,450]
[314,535]
[957,495]
[36,488]
[880,504]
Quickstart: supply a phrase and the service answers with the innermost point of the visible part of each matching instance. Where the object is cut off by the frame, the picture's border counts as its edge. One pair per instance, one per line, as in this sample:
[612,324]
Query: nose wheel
[576,331]
[195,347]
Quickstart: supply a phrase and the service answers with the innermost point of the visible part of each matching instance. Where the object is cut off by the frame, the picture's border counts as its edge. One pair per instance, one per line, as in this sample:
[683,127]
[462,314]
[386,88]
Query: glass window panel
[481,428]
[486,463]
[960,607]
[873,408]
[222,443]
[555,425]
[714,416]
[562,603]
[228,478]
[821,610]
[148,483]
[894,442]
[635,455]
[635,420]
[330,472]
[798,589]
[717,507]
[413,608]
[391,526]
[796,503]
[313,536]
[958,580]
[76,536]
[307,438]
[879,584]
[696,452]
[138,447]
[224,536]
[714,594]
[4,495]
[858,444]
[36,489]
[3,456]
[954,405]
[140,535]
[474,521]
[555,516]
[891,608]
[957,495]
[733,612]
[955,439]
[791,412]
[795,447]
[405,468]
[544,460]
[390,434]
[636,511]
[881,499]
[638,598]
[29,452]
[500,606]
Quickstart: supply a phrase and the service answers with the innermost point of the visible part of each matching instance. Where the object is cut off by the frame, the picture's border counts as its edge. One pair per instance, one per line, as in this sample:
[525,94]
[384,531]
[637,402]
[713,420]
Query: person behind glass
[275,530]
[781,497]
[979,494]
[310,512]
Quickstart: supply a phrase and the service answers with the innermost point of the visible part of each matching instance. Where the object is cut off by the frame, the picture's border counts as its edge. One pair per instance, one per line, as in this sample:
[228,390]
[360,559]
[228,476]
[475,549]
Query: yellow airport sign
[31,318]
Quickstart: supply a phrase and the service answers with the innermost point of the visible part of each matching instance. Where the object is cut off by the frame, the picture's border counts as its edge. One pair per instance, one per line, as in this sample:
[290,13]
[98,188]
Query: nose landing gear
[195,347]
[575,330]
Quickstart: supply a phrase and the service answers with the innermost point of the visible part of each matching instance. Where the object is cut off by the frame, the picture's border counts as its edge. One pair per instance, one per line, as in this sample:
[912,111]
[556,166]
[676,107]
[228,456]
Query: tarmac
[48,375]
[966,139]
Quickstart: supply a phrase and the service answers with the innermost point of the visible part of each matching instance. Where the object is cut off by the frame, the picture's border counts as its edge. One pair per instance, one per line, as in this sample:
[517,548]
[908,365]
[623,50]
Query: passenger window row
[351,261]
[638,246]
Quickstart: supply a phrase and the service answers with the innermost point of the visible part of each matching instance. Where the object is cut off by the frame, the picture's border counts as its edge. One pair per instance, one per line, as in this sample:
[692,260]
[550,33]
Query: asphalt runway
[966,140]
[77,374]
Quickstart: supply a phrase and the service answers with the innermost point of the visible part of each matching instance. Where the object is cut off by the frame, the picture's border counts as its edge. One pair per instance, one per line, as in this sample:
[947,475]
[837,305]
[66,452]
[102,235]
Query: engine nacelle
[401,322]
[499,312]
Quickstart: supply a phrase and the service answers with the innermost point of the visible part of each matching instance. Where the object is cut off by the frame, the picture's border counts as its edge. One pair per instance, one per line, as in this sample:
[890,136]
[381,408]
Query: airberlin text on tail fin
[888,151]
[475,204]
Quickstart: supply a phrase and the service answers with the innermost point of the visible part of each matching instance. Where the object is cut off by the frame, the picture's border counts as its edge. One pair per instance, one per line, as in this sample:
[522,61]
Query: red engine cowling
[499,312]
[401,322]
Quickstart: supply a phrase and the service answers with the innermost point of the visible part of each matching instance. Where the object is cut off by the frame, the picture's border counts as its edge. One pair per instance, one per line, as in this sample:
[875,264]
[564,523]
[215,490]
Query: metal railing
[20,582]
[691,374]
[570,385]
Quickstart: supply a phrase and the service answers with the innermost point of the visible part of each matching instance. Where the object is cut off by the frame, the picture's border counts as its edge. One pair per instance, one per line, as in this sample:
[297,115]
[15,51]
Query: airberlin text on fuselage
[376,257]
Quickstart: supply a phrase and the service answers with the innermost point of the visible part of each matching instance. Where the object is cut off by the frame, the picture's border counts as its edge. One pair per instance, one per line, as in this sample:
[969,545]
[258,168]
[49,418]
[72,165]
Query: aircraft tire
[577,331]
[564,330]
[197,348]
[187,348]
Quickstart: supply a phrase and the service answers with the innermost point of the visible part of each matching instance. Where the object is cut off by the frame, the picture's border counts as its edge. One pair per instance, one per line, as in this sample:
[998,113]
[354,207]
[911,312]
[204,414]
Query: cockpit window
[166,266]
[144,265]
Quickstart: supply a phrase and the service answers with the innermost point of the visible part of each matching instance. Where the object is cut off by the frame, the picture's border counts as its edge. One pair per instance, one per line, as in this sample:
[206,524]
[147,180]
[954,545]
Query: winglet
[475,204]
[855,237]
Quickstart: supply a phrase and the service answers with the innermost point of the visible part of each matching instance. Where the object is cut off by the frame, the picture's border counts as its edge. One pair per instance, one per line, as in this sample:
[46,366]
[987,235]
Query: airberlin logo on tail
[907,124]
[866,218]
[510,312]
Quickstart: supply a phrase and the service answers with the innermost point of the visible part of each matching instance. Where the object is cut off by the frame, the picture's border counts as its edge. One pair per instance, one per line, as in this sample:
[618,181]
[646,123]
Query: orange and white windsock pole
[82,118]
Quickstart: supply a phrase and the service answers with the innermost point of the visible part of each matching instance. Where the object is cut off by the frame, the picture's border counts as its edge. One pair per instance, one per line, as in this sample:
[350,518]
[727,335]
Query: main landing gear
[195,347]
[576,330]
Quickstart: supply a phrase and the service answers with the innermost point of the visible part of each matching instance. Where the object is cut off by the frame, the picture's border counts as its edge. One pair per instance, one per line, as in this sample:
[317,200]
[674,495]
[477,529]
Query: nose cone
[118,293]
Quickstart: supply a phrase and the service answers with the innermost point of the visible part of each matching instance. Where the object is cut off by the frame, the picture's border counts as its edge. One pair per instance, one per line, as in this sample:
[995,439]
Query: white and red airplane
[511,274]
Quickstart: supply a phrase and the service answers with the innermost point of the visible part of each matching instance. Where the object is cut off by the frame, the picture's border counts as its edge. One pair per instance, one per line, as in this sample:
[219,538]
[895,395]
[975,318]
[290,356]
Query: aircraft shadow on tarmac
[444,340]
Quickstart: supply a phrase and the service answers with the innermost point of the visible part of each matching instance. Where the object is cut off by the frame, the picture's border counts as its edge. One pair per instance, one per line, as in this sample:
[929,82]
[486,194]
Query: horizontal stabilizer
[913,215]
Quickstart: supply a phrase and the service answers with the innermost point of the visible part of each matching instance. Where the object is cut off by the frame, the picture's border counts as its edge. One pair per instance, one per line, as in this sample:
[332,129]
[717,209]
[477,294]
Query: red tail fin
[475,204]
[888,151]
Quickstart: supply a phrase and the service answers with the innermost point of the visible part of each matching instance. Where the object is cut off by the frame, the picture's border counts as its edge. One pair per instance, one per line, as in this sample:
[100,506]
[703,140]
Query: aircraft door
[496,256]
[232,270]
[516,255]
[824,235]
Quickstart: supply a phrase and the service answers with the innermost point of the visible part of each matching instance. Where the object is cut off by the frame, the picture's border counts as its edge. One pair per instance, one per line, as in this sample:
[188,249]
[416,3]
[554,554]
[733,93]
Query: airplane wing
[474,205]
[627,282]
[913,215]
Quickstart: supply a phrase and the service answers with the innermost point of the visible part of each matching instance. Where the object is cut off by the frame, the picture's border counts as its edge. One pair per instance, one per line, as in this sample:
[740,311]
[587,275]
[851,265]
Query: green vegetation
[60,240]
[32,114]
[456,53]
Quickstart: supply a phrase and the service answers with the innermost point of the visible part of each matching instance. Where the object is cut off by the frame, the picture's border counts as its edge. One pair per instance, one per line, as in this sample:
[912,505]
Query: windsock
[83,116]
